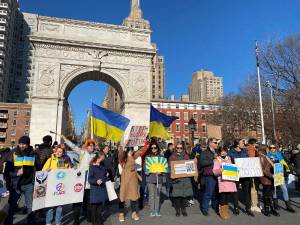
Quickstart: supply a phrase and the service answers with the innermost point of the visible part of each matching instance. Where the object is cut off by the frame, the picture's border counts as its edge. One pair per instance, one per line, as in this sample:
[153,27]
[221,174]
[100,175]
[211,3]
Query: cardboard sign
[230,172]
[57,187]
[249,167]
[156,165]
[278,174]
[137,136]
[184,168]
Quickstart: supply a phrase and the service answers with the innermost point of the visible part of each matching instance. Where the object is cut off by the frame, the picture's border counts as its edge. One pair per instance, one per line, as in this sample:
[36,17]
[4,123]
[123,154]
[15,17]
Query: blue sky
[217,35]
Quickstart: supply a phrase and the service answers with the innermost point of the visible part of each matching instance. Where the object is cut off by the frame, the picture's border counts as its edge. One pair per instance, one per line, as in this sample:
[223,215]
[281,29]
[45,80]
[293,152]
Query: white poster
[249,167]
[57,187]
[110,187]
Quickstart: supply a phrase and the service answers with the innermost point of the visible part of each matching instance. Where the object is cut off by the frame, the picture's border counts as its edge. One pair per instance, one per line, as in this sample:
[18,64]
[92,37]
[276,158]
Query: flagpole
[260,97]
[92,124]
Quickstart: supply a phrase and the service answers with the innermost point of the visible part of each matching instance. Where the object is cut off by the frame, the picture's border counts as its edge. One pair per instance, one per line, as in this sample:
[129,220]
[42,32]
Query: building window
[186,116]
[177,127]
[14,123]
[169,106]
[185,106]
[203,116]
[169,113]
[26,132]
[178,140]
[203,107]
[15,113]
[195,116]
[177,106]
[195,106]
[186,127]
[178,115]
[204,128]
[13,132]
[186,140]
[27,113]
[27,122]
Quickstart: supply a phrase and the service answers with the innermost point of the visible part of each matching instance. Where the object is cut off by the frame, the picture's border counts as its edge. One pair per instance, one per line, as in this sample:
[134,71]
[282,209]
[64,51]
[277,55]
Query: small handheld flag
[108,124]
[159,124]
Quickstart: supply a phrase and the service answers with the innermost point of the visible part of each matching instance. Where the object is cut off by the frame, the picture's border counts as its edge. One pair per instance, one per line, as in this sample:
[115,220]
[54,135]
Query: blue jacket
[233,154]
[98,193]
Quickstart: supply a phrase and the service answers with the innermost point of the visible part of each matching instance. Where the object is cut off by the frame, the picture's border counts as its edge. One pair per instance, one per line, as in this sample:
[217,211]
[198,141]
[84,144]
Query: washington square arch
[68,52]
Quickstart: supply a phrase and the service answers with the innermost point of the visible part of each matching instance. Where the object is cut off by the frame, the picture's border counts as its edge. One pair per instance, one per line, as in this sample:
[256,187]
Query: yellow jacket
[51,163]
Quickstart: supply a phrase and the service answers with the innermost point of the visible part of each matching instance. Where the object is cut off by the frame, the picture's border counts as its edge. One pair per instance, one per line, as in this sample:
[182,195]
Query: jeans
[58,215]
[85,205]
[97,210]
[14,197]
[209,193]
[284,192]
[133,206]
[154,196]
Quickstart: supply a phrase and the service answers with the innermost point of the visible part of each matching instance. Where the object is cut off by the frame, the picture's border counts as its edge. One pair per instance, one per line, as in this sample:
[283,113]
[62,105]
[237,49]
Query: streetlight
[192,127]
[269,85]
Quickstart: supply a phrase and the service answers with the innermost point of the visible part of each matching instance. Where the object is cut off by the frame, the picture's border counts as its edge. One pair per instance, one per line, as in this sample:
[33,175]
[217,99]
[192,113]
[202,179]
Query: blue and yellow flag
[108,124]
[159,124]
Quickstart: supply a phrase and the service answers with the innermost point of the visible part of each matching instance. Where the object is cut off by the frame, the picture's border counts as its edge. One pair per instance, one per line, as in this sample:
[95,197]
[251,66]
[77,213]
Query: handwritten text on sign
[249,167]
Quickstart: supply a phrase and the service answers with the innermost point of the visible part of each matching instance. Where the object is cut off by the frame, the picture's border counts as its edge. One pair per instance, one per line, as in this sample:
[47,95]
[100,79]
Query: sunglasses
[272,147]
[179,148]
[154,147]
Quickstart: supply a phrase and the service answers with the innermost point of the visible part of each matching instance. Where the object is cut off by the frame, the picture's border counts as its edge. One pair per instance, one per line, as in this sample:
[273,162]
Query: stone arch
[77,76]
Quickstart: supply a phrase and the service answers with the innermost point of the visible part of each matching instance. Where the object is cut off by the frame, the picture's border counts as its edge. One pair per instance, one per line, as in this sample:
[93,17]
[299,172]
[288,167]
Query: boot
[275,204]
[289,207]
[135,216]
[273,210]
[183,211]
[236,211]
[122,217]
[223,211]
[177,211]
[267,211]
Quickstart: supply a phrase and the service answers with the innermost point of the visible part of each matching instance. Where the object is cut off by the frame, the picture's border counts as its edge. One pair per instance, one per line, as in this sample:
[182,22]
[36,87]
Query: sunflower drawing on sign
[156,165]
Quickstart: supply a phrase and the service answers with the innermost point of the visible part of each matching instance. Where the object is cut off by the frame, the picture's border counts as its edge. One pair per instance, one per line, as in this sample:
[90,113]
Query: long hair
[149,152]
[97,156]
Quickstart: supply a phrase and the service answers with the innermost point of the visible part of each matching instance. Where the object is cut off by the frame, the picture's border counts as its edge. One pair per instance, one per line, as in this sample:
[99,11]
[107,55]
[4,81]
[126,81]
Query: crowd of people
[102,164]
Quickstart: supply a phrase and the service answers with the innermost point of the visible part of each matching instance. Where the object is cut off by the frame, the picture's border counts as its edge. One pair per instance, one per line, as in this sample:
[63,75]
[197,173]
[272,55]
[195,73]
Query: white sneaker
[191,202]
[255,209]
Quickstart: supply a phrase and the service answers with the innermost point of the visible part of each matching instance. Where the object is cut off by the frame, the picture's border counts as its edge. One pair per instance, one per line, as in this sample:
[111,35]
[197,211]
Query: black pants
[96,211]
[179,203]
[133,206]
[86,206]
[246,190]
[267,191]
[225,198]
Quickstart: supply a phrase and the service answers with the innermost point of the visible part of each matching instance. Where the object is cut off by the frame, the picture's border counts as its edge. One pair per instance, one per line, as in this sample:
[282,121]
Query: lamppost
[269,85]
[192,127]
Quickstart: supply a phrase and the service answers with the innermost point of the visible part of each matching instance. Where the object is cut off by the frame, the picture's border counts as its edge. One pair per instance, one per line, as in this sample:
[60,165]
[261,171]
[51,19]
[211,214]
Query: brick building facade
[179,130]
[14,123]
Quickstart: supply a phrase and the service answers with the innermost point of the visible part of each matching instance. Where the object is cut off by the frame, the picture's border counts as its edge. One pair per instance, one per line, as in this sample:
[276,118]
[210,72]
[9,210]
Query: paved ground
[194,216]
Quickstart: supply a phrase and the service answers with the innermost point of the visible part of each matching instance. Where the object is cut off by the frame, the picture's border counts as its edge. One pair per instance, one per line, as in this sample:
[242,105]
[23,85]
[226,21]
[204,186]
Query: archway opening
[83,89]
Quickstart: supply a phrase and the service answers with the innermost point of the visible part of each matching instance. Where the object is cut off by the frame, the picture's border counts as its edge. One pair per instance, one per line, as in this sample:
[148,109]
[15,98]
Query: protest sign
[156,165]
[278,174]
[249,167]
[57,187]
[137,136]
[230,172]
[183,168]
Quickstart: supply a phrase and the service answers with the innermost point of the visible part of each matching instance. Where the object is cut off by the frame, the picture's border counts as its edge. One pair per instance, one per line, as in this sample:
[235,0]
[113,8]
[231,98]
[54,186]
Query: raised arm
[142,151]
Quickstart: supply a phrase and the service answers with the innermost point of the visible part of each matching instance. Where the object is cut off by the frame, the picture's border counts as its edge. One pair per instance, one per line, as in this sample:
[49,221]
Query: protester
[108,162]
[276,157]
[44,150]
[227,189]
[238,151]
[252,152]
[129,189]
[19,175]
[86,154]
[98,194]
[182,187]
[206,163]
[154,183]
[296,160]
[267,182]
[58,160]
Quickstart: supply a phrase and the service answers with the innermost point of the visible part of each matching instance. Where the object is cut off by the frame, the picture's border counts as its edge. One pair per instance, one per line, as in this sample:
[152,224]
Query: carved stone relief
[50,27]
[46,81]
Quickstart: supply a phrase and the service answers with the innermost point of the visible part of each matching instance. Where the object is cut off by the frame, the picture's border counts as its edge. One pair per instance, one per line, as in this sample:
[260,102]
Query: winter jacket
[267,168]
[296,159]
[233,154]
[4,155]
[182,187]
[26,159]
[108,164]
[207,162]
[98,193]
[44,152]
[251,151]
[54,163]
[224,185]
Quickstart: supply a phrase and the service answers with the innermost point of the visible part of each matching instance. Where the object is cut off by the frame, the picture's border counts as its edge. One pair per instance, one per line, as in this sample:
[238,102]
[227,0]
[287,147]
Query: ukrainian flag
[108,124]
[159,124]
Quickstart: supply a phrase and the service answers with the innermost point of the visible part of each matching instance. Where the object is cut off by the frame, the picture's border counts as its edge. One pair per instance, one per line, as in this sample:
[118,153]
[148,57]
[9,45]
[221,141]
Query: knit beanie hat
[24,140]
